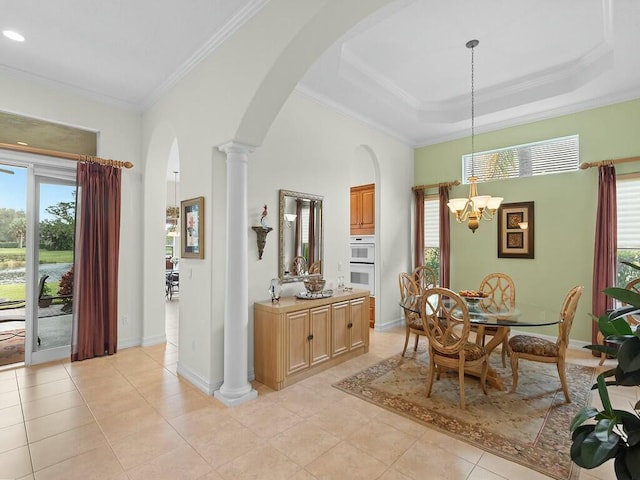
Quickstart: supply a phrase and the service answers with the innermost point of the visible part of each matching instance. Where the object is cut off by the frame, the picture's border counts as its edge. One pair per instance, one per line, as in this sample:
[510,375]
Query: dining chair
[542,350]
[445,319]
[632,320]
[299,265]
[412,321]
[425,277]
[501,296]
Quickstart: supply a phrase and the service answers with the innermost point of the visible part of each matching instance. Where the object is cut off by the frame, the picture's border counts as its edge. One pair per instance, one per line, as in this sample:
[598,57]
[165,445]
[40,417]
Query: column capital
[236,148]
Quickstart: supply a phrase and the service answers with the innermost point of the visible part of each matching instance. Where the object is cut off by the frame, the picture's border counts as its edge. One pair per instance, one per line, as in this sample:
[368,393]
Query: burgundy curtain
[95,331]
[419,229]
[606,244]
[312,232]
[298,246]
[445,231]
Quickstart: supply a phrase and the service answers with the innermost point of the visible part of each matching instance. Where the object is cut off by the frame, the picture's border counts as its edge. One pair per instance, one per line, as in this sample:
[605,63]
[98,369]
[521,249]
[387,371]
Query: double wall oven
[362,259]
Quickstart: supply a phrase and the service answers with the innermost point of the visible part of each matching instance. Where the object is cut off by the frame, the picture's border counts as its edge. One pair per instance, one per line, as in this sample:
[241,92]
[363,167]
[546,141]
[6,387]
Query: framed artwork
[515,230]
[192,230]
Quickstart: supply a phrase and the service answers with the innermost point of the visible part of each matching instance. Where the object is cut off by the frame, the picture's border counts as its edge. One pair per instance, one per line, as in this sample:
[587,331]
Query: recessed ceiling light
[13,35]
[22,143]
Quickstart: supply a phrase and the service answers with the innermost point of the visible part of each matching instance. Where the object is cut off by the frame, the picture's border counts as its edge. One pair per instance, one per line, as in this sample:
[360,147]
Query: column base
[233,401]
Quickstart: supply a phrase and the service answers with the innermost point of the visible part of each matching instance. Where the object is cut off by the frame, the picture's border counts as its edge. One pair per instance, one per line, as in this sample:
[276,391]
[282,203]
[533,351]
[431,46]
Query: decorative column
[236,388]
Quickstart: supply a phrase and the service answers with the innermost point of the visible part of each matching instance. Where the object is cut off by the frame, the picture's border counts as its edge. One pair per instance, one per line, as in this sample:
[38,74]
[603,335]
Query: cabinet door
[357,326]
[340,332]
[356,209]
[297,342]
[368,213]
[321,334]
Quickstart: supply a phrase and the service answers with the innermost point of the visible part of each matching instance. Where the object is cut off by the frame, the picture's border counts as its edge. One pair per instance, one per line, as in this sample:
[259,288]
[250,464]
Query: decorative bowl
[314,285]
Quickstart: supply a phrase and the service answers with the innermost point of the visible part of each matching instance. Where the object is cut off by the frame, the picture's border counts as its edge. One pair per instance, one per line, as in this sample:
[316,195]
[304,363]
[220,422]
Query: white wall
[119,138]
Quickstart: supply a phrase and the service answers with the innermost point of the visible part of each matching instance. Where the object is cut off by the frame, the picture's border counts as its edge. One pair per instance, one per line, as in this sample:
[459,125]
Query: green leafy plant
[602,435]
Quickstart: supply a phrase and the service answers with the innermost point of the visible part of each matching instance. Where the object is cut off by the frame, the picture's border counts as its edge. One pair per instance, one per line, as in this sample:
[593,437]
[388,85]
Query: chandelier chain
[473,112]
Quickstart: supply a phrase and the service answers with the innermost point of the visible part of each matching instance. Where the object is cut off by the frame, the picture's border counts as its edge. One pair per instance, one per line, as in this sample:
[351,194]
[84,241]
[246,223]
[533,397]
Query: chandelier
[173,213]
[475,207]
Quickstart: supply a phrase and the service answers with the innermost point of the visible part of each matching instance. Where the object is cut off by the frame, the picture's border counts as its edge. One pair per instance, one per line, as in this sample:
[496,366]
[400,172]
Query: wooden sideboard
[296,338]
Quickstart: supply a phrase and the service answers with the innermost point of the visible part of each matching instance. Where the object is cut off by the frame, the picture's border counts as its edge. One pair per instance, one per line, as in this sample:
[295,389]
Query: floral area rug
[530,427]
[11,347]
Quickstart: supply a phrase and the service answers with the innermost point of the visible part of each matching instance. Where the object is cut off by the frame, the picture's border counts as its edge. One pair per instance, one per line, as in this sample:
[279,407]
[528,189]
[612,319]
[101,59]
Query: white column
[236,388]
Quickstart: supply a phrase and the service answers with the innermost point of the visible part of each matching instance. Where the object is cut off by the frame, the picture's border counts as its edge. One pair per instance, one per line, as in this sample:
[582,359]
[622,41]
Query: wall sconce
[523,225]
[261,232]
[290,218]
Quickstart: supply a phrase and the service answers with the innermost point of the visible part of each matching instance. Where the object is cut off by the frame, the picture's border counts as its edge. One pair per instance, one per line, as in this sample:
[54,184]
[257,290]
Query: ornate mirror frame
[287,203]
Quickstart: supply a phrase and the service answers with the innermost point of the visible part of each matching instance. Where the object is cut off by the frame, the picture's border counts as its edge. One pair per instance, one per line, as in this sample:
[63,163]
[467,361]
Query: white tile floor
[130,417]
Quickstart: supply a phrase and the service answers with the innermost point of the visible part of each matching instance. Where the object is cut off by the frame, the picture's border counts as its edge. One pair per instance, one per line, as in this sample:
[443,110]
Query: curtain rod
[434,185]
[602,163]
[67,156]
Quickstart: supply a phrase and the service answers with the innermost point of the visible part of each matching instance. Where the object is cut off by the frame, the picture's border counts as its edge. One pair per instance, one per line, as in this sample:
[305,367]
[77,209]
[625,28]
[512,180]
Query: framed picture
[192,230]
[515,230]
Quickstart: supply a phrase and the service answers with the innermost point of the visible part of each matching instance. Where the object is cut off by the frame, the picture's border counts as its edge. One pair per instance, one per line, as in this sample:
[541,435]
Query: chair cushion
[415,322]
[533,346]
[472,351]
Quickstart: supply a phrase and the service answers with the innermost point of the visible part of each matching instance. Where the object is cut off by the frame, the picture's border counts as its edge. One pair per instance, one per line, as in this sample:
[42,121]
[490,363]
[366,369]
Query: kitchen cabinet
[295,338]
[363,213]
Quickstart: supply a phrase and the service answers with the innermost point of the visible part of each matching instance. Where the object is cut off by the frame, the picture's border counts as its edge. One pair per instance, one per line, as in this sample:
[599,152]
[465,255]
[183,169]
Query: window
[627,191]
[538,158]
[432,234]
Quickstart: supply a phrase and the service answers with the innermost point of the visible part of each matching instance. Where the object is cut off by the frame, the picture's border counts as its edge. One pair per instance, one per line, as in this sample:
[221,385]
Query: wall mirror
[301,247]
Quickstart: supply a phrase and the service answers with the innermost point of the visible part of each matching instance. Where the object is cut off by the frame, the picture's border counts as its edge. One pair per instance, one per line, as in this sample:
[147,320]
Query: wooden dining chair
[632,320]
[425,277]
[501,296]
[412,322]
[298,266]
[542,350]
[445,319]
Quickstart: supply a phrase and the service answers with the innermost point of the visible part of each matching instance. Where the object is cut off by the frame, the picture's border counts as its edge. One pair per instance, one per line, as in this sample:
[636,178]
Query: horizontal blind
[628,193]
[538,158]
[432,222]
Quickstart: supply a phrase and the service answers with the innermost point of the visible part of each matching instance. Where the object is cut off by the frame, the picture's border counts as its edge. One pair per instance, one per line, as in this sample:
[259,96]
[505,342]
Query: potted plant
[611,433]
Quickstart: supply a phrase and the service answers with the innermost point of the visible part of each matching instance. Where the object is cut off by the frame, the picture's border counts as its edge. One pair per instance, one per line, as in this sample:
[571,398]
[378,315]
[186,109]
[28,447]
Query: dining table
[501,320]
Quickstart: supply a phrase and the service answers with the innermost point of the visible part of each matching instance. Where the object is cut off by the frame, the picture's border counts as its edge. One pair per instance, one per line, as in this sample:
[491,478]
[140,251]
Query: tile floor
[130,417]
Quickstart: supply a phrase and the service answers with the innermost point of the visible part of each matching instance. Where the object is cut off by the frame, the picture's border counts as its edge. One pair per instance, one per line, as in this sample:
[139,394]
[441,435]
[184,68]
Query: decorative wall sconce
[261,232]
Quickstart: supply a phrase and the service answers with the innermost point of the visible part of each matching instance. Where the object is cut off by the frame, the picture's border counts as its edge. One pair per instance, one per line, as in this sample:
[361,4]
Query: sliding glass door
[52,266]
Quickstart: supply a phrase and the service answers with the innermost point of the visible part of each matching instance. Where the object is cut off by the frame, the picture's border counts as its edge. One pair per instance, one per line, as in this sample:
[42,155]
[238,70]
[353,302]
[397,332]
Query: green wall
[565,208]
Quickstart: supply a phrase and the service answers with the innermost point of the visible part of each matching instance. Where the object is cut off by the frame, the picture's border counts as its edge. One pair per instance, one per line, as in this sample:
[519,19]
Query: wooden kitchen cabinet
[348,329]
[296,338]
[363,213]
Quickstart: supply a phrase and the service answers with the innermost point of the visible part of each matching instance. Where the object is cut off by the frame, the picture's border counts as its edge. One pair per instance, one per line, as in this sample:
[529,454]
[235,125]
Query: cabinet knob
[310,337]
[350,325]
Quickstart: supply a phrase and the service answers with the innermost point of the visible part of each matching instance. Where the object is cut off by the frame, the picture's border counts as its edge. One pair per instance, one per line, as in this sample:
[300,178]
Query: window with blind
[432,234]
[628,192]
[539,158]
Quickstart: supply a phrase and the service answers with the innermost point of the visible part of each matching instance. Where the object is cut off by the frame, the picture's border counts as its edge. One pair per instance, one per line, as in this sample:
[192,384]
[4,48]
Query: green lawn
[15,258]
[46,256]
[16,291]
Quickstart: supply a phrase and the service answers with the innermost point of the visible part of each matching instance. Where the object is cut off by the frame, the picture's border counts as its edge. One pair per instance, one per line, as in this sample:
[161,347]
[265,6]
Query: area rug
[529,427]
[11,347]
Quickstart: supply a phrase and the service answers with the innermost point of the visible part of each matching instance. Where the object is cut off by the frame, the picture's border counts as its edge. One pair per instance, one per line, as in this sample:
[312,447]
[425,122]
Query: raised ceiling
[404,70]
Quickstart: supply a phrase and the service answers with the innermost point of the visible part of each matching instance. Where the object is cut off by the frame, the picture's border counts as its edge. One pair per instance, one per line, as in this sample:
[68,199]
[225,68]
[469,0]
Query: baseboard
[129,342]
[384,327]
[197,380]
[155,340]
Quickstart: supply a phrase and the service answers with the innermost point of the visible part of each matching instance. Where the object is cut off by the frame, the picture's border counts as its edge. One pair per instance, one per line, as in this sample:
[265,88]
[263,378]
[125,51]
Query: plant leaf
[604,396]
[629,355]
[582,416]
[625,296]
[622,472]
[595,452]
[632,461]
[614,324]
[604,428]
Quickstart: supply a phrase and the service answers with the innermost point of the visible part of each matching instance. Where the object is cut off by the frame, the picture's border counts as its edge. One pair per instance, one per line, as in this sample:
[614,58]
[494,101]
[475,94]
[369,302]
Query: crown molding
[228,29]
